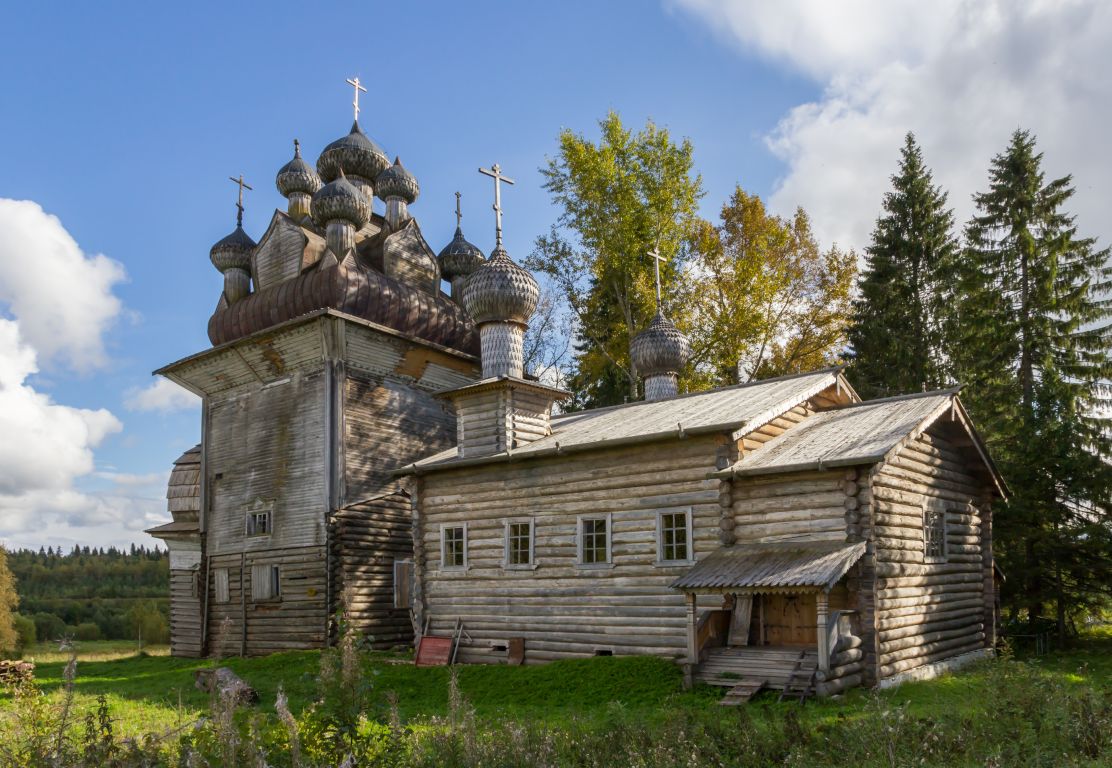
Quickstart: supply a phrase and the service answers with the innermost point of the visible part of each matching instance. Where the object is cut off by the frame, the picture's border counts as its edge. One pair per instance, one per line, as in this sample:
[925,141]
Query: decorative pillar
[692,637]
[822,603]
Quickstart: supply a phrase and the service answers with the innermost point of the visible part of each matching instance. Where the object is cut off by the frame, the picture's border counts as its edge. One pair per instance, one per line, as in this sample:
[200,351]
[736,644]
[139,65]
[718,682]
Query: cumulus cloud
[162,395]
[961,74]
[61,296]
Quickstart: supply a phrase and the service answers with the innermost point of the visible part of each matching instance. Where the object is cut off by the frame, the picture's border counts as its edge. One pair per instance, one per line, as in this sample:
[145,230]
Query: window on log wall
[519,544]
[266,582]
[673,537]
[453,547]
[934,532]
[594,541]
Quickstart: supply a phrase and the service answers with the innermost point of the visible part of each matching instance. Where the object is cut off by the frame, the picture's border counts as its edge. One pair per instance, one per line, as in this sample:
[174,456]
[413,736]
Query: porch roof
[789,566]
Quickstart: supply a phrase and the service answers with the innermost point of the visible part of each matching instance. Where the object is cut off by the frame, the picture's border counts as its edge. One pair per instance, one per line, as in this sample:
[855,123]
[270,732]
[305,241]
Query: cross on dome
[239,205]
[459,215]
[495,172]
[657,261]
[355,84]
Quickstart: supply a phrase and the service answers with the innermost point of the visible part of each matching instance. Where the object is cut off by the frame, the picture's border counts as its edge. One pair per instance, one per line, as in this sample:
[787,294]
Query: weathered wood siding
[388,423]
[562,610]
[366,540]
[268,444]
[186,591]
[294,619]
[928,611]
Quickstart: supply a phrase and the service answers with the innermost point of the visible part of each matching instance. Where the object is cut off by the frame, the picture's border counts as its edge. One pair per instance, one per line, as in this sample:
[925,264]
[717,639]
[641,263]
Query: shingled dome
[297,176]
[396,181]
[660,348]
[340,200]
[459,257]
[233,251]
[354,154]
[501,291]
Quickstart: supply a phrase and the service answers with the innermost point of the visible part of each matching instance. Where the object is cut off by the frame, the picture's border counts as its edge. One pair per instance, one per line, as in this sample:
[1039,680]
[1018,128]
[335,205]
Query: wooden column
[692,650]
[823,637]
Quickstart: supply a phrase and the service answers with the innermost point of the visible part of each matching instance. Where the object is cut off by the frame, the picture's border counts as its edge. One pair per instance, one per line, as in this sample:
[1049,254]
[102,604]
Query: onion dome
[501,291]
[660,348]
[339,199]
[233,252]
[297,175]
[355,153]
[396,181]
[459,257]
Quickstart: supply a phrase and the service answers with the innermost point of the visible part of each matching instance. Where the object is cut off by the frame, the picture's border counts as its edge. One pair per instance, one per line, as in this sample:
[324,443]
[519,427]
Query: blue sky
[124,121]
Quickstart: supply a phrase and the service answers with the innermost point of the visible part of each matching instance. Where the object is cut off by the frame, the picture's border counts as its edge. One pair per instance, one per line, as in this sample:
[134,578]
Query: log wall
[928,611]
[366,540]
[295,619]
[561,610]
[810,505]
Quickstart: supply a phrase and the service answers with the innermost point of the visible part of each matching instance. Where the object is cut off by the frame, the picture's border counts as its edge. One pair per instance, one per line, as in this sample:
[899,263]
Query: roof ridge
[894,398]
[729,387]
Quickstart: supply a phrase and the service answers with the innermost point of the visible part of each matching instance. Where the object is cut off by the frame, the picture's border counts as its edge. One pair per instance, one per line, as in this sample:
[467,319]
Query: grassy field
[154,693]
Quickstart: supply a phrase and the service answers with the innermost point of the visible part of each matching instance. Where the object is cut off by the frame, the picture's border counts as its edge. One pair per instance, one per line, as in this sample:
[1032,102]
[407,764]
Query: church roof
[741,408]
[788,566]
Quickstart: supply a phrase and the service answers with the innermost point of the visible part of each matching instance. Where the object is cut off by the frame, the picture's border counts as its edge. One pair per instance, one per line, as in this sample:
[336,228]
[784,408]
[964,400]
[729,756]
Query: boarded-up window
[673,537]
[934,534]
[453,546]
[265,582]
[220,585]
[594,540]
[519,543]
[403,582]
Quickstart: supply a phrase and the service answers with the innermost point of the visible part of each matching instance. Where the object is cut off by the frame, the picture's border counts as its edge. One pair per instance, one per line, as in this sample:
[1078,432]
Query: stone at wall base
[931,671]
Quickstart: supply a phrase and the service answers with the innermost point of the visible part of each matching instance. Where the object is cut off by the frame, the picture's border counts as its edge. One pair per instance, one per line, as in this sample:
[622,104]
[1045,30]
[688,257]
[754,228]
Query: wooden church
[372,444]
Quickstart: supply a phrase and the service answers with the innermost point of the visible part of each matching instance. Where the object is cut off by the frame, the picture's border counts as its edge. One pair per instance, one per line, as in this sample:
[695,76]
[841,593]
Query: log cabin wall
[562,610]
[186,593]
[368,538]
[929,609]
[809,505]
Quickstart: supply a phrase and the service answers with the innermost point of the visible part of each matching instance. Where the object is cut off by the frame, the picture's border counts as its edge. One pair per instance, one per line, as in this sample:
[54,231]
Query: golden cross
[355,83]
[495,172]
[239,205]
[657,261]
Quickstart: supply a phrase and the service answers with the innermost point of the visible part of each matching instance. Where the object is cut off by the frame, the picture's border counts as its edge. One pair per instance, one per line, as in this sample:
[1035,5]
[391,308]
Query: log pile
[14,673]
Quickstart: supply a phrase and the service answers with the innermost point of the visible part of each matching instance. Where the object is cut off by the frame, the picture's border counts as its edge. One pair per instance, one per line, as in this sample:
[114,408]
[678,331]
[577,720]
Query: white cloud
[161,395]
[961,74]
[61,297]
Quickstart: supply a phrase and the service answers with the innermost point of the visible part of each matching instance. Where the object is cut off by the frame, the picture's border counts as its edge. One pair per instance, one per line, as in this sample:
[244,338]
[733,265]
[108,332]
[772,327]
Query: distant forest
[92,594]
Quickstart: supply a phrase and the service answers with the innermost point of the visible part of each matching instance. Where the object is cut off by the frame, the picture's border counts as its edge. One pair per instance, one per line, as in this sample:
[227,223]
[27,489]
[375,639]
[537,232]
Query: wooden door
[789,619]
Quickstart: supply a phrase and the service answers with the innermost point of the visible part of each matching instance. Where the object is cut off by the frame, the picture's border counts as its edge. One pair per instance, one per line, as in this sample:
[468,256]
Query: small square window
[259,522]
[519,543]
[674,537]
[453,547]
[594,540]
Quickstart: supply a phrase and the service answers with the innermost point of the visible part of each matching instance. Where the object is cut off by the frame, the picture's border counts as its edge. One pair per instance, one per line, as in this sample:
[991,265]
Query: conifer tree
[9,601]
[897,331]
[1032,345]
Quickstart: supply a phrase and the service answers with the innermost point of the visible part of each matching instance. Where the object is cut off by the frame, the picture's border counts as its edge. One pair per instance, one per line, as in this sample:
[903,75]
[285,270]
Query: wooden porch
[776,666]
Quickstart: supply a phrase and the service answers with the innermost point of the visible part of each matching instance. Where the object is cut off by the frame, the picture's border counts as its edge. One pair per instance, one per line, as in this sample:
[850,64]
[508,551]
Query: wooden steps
[775,665]
[801,683]
[741,693]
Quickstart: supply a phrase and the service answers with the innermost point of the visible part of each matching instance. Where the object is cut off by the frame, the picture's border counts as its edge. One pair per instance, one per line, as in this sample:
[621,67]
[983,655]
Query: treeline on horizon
[91,593]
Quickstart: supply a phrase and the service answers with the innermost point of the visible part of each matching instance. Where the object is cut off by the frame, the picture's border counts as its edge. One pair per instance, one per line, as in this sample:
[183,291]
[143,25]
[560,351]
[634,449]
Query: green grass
[156,693]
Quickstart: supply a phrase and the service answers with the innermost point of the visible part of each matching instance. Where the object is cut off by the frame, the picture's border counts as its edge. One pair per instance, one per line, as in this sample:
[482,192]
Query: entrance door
[789,619]
[740,618]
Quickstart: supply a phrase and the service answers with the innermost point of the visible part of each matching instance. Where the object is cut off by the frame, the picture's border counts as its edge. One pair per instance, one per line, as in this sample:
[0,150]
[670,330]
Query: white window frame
[687,512]
[258,507]
[933,507]
[531,563]
[443,562]
[609,562]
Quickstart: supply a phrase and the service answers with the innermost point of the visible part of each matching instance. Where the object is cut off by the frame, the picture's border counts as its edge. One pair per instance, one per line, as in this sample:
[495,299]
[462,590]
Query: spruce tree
[897,331]
[1032,345]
